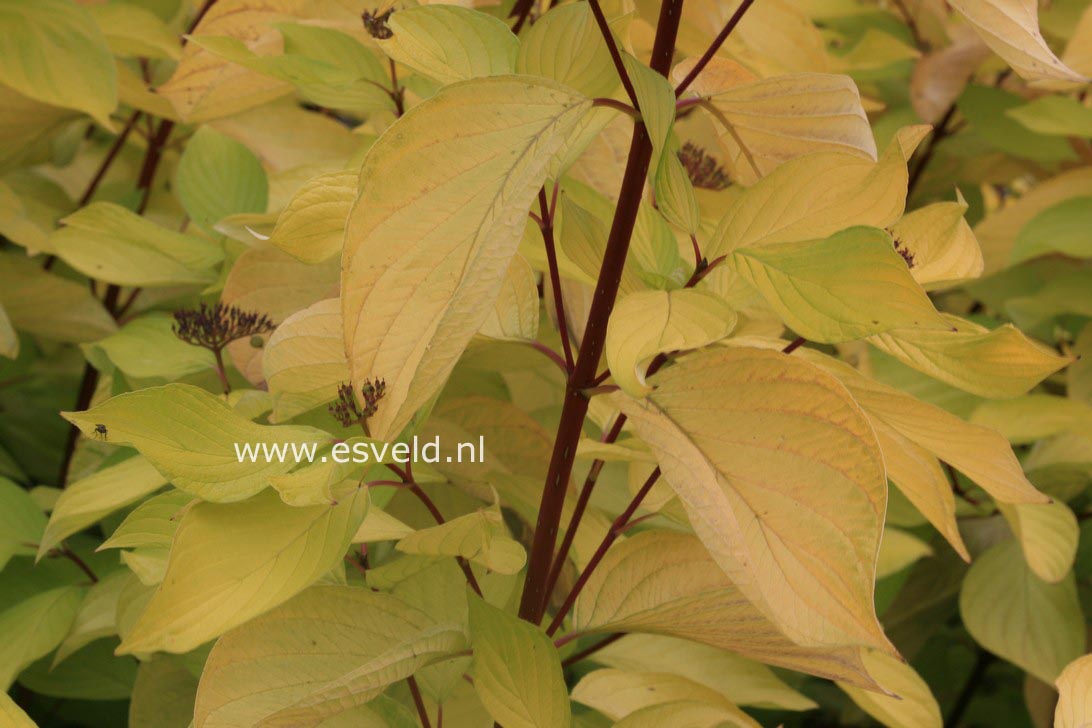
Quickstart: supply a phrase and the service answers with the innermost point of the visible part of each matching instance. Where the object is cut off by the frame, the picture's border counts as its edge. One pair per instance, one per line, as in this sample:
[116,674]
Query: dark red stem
[714,47]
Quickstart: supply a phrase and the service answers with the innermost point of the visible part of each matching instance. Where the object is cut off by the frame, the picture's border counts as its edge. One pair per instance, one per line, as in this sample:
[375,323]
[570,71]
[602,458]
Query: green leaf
[566,45]
[110,243]
[163,694]
[47,305]
[98,614]
[517,671]
[330,648]
[133,32]
[88,499]
[52,51]
[1062,228]
[1048,534]
[847,286]
[1060,115]
[986,109]
[21,522]
[1037,626]
[411,309]
[265,553]
[33,627]
[93,673]
[451,43]
[152,523]
[147,348]
[480,537]
[170,427]
[207,191]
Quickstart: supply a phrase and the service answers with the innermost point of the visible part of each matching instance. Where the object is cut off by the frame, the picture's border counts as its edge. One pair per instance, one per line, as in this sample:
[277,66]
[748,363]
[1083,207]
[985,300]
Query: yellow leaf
[173,427]
[312,226]
[480,537]
[515,313]
[978,452]
[898,550]
[276,284]
[1074,694]
[265,553]
[88,499]
[997,232]
[131,31]
[1048,535]
[940,244]
[999,363]
[410,309]
[813,197]
[50,306]
[13,715]
[9,340]
[304,360]
[1023,420]
[1011,29]
[666,583]
[205,86]
[766,122]
[33,627]
[110,243]
[152,523]
[1008,610]
[517,671]
[783,481]
[738,679]
[566,45]
[848,286]
[618,694]
[912,704]
[324,651]
[648,323]
[52,51]
[450,43]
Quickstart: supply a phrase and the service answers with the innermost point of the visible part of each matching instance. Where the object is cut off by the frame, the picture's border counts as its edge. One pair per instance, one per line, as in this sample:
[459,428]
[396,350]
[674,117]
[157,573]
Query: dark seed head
[214,327]
[348,411]
[376,24]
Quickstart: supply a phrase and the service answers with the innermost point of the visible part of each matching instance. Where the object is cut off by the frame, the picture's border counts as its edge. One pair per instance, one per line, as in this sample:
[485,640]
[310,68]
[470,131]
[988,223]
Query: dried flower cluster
[904,252]
[214,327]
[376,24]
[702,169]
[348,411]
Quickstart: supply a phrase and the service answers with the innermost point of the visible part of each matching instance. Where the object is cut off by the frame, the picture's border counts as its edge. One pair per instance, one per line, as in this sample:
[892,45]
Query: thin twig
[617,106]
[958,489]
[592,649]
[418,701]
[794,345]
[617,528]
[974,680]
[714,47]
[940,131]
[555,278]
[439,518]
[550,354]
[615,55]
[581,505]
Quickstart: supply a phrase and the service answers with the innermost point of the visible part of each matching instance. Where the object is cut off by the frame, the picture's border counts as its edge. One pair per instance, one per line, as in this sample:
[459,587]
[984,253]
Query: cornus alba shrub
[768,316]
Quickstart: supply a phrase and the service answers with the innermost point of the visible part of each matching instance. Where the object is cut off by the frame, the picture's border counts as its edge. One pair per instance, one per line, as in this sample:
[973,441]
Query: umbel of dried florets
[703,170]
[348,411]
[376,24]
[214,327]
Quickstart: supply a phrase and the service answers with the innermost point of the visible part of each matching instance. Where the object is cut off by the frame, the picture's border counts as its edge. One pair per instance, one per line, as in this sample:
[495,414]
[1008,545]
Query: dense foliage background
[729,290]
